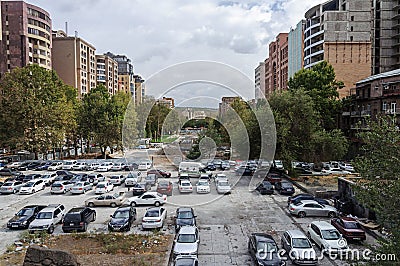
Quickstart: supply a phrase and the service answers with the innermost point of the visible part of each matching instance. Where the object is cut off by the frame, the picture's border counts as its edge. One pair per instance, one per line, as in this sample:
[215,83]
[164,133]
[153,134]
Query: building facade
[167,102]
[339,31]
[296,48]
[140,89]
[107,73]
[276,65]
[125,73]
[74,60]
[25,36]
[259,81]
[225,104]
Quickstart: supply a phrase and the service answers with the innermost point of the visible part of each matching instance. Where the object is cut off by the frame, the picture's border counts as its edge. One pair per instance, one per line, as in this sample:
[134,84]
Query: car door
[57,216]
[316,235]
[319,210]
[148,199]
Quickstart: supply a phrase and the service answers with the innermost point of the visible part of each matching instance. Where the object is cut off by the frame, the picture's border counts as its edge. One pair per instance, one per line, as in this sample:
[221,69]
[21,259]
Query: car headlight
[24,222]
[46,225]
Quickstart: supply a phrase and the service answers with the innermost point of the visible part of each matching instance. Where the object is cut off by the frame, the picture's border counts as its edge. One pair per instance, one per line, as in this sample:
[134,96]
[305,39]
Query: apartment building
[296,48]
[339,31]
[225,104]
[125,73]
[107,73]
[25,36]
[140,89]
[167,102]
[259,78]
[74,60]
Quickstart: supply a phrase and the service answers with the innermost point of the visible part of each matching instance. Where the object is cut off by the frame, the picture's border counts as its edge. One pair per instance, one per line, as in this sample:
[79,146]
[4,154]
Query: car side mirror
[111,215]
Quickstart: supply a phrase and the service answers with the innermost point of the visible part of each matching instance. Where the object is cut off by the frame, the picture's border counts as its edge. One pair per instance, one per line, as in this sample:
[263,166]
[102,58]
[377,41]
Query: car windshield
[7,184]
[68,163]
[330,234]
[57,185]
[301,243]
[266,247]
[186,238]
[25,212]
[44,215]
[152,213]
[185,184]
[29,184]
[185,215]
[352,225]
[163,184]
[223,183]
[184,262]
[121,214]
[286,185]
[72,217]
[204,183]
[100,186]
[114,177]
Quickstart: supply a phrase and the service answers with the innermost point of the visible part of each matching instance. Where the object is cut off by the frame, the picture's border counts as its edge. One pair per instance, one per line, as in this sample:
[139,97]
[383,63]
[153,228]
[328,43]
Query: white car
[144,166]
[131,179]
[116,180]
[148,198]
[67,165]
[11,187]
[154,218]
[80,166]
[55,166]
[49,178]
[223,187]
[32,187]
[14,165]
[105,167]
[203,186]
[104,187]
[47,218]
[346,167]
[187,241]
[96,178]
[326,237]
[278,164]
[117,167]
[220,177]
[185,186]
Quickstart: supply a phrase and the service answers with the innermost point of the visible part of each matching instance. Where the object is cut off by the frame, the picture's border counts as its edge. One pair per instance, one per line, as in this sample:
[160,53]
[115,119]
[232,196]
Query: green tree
[320,83]
[379,167]
[36,109]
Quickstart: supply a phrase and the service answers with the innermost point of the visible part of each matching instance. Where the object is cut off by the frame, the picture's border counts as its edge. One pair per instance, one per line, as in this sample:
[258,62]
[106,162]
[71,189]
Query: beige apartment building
[140,89]
[107,73]
[74,60]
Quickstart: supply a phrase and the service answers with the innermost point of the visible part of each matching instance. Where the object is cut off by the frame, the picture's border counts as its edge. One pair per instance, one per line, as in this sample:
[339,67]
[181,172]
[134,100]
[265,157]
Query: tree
[379,167]
[36,109]
[320,83]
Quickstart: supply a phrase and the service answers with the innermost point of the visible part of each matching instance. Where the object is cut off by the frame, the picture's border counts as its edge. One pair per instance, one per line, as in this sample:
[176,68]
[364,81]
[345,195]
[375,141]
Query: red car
[273,178]
[349,228]
[159,173]
[165,188]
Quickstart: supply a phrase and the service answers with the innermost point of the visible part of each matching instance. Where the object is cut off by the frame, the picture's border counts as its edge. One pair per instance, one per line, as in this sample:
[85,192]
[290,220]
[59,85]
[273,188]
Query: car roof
[50,208]
[348,219]
[124,208]
[296,234]
[184,209]
[76,209]
[263,237]
[187,230]
[309,201]
[323,225]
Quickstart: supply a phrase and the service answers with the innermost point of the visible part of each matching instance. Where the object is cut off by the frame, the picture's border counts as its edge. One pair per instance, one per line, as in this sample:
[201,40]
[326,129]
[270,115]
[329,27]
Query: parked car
[278,165]
[131,179]
[265,188]
[63,178]
[93,166]
[273,178]
[55,166]
[244,171]
[185,186]
[116,180]
[187,241]
[137,189]
[298,248]
[211,167]
[159,173]
[223,187]
[61,187]
[263,249]
[186,260]
[299,197]
[154,218]
[24,217]
[131,167]
[112,200]
[148,198]
[205,177]
[80,166]
[96,178]
[122,219]
[43,166]
[165,187]
[220,176]
[184,216]
[80,178]
[31,177]
[284,188]
[151,179]
[225,165]
[77,219]
[14,165]
[203,186]
[68,165]
[346,167]
[49,178]
[104,187]
[312,208]
[64,173]
[349,228]
[144,166]
[32,187]
[11,187]
[326,237]
[9,172]
[105,167]
[47,219]
[81,187]
[28,166]
[117,167]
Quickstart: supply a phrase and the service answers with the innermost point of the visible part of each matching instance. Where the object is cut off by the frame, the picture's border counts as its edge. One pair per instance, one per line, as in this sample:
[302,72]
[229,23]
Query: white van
[193,169]
[144,166]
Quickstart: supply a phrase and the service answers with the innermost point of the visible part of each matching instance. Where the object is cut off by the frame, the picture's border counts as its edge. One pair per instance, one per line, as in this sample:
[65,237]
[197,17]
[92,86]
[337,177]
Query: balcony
[391,91]
[365,113]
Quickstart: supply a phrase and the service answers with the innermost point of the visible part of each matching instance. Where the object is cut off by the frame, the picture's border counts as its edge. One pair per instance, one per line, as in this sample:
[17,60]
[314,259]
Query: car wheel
[91,180]
[94,217]
[15,191]
[91,204]
[113,205]
[156,203]
[133,203]
[331,214]
[85,227]
[33,191]
[51,229]
[301,214]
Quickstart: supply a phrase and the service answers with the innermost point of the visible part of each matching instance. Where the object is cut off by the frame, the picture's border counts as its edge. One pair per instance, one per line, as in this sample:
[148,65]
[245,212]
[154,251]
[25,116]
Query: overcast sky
[157,34]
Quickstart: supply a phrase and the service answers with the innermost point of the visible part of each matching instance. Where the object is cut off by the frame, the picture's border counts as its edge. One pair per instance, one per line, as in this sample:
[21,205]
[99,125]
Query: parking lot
[224,221]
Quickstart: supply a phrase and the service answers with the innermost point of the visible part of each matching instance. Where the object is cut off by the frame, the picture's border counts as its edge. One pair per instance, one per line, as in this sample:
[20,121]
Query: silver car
[312,208]
[61,187]
[299,248]
[81,187]
[11,187]
[187,241]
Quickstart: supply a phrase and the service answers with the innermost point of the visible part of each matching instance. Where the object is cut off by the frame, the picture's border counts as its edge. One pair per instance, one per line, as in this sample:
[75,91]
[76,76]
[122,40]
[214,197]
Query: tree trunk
[76,148]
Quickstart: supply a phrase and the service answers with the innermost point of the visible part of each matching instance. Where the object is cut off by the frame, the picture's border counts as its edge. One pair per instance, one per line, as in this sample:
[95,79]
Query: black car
[299,197]
[284,187]
[184,216]
[24,217]
[77,219]
[138,189]
[64,172]
[265,188]
[211,167]
[31,177]
[8,172]
[122,218]
[43,166]
[64,178]
[263,250]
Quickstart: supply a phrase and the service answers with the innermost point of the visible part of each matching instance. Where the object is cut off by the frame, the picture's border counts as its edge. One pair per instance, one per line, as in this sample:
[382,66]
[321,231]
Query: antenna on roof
[66,28]
[76,34]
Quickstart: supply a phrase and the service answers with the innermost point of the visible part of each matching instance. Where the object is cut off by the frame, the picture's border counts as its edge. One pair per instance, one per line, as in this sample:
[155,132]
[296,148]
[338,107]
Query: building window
[352,18]
[351,28]
[351,38]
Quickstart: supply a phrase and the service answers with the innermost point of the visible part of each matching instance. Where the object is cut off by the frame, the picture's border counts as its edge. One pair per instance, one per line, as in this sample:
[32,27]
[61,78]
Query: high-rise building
[276,65]
[140,89]
[225,104]
[125,72]
[296,48]
[259,80]
[107,73]
[25,36]
[74,60]
[339,31]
